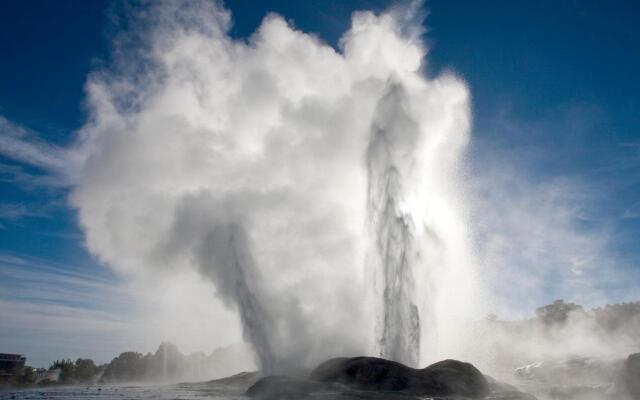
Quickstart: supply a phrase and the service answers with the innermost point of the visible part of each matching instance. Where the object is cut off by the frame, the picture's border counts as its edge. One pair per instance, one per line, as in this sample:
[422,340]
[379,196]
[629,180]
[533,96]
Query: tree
[28,377]
[128,366]
[66,368]
[557,312]
[85,370]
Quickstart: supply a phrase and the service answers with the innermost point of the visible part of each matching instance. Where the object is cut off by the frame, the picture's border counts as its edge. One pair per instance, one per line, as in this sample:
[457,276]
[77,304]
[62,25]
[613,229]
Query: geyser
[390,160]
[316,189]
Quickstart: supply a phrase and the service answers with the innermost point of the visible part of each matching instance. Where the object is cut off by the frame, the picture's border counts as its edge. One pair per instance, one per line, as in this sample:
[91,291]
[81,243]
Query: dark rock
[632,375]
[457,378]
[445,378]
[365,373]
[378,379]
[628,382]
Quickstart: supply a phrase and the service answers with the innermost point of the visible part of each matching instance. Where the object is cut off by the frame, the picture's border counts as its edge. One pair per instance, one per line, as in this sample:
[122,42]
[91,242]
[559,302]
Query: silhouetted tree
[28,377]
[85,370]
[557,312]
[66,368]
[128,366]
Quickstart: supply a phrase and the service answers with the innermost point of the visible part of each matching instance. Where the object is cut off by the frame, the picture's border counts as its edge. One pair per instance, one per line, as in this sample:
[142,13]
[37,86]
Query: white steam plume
[248,162]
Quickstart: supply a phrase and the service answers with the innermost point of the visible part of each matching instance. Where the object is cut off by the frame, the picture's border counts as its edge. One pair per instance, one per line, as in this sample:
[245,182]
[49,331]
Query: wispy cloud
[14,211]
[52,311]
[55,164]
[18,175]
[632,212]
[34,281]
[20,144]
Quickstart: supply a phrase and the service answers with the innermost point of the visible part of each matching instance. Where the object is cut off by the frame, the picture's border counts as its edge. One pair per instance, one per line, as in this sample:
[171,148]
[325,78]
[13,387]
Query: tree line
[167,364]
[59,372]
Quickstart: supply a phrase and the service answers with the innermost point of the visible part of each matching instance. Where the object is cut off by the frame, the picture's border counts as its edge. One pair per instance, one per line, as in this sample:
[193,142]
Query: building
[10,364]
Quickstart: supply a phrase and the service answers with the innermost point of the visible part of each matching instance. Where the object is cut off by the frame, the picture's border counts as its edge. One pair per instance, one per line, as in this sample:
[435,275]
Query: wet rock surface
[376,378]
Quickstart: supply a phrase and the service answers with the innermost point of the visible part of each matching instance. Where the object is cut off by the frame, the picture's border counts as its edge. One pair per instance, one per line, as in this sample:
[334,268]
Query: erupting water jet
[389,161]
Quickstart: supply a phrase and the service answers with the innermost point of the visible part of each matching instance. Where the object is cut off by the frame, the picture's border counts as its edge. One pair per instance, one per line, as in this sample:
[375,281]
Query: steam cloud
[317,190]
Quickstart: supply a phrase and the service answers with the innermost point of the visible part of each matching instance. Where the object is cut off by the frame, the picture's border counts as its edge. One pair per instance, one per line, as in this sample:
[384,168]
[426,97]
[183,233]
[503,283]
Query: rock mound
[445,378]
[366,373]
[376,379]
[455,377]
[371,374]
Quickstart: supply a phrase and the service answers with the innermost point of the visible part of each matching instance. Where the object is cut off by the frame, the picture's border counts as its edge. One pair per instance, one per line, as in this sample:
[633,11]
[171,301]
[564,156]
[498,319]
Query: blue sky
[555,100]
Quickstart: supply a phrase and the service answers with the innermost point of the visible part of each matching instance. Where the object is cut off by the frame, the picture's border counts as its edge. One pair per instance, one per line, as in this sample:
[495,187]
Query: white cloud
[632,212]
